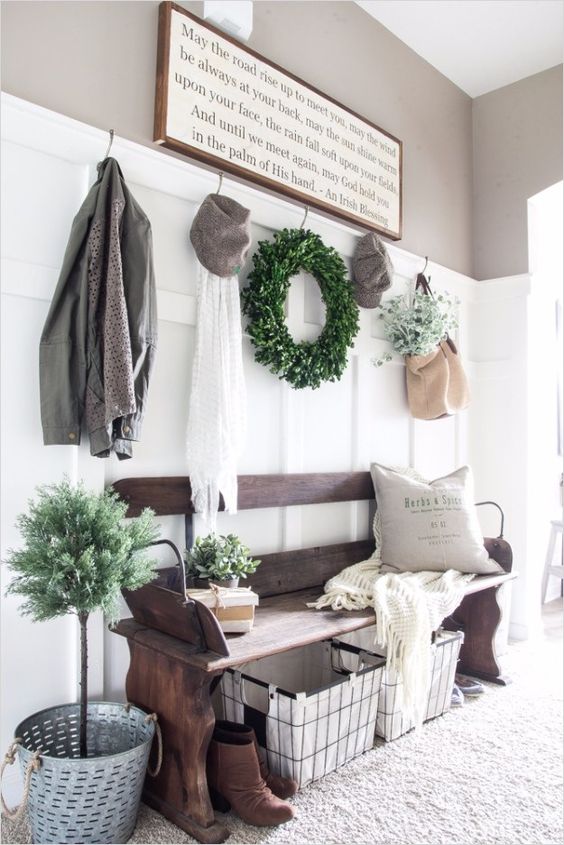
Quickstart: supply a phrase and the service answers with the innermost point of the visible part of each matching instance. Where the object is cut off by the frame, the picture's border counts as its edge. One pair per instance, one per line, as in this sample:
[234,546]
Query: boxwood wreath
[305,364]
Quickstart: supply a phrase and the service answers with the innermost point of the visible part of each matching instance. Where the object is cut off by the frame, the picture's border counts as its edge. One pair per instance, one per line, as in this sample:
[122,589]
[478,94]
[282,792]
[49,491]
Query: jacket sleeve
[62,350]
[140,294]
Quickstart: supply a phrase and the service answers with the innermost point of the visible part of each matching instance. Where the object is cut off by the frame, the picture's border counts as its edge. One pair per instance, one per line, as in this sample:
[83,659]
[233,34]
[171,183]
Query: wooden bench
[178,651]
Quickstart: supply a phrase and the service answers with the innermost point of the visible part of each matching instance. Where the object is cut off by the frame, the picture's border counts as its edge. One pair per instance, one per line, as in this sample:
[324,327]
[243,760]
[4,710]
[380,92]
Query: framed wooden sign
[225,105]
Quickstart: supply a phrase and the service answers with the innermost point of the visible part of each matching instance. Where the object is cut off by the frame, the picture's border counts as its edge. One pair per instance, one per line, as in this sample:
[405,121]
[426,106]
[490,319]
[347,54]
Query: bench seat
[282,622]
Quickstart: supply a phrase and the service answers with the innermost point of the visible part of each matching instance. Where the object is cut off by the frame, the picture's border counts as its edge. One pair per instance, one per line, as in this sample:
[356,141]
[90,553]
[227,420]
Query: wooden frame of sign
[228,107]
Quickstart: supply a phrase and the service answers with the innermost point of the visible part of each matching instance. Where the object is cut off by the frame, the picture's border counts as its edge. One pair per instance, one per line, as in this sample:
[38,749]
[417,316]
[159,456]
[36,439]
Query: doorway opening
[544,415]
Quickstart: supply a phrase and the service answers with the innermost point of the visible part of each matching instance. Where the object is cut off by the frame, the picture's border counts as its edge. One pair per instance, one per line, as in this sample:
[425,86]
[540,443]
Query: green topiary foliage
[78,554]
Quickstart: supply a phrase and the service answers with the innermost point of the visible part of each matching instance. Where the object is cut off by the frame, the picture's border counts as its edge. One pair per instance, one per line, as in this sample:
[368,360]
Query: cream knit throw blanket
[408,607]
[216,418]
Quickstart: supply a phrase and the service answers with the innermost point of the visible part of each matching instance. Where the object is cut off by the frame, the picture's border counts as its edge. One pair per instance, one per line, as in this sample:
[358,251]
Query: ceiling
[480,45]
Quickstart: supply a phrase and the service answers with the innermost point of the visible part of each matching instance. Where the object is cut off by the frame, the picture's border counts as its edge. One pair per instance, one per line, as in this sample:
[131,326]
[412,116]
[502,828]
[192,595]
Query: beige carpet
[488,772]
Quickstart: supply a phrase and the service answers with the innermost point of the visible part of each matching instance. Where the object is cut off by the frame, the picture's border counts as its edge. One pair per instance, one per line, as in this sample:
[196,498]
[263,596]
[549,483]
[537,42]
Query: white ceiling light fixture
[480,45]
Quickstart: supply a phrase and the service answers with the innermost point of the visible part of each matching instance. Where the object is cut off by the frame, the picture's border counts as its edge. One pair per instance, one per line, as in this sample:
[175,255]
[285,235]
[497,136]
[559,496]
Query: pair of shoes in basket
[239,779]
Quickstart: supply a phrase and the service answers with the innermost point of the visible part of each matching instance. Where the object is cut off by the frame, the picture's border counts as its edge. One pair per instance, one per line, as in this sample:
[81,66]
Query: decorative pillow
[430,526]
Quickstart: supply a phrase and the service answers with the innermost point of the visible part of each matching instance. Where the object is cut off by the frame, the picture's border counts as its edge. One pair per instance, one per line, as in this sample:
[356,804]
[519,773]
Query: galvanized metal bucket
[93,799]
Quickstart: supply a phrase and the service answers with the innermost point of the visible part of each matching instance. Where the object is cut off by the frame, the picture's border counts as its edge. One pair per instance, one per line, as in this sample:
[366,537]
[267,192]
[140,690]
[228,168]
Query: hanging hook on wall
[112,132]
[305,217]
[220,183]
[425,267]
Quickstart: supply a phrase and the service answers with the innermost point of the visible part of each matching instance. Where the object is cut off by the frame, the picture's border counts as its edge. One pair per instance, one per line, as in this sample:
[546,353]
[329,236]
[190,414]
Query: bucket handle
[33,766]
[152,717]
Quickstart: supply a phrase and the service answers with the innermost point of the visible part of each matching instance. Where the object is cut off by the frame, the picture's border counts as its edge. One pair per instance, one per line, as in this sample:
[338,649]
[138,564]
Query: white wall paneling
[40,195]
[48,166]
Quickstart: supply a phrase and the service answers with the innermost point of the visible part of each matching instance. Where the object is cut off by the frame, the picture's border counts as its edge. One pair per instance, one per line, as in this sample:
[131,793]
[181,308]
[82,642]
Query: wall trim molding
[506,287]
[51,133]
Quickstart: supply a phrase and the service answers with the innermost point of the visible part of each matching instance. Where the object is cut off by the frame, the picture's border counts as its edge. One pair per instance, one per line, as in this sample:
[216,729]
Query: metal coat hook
[112,132]
[220,183]
[425,267]
[305,217]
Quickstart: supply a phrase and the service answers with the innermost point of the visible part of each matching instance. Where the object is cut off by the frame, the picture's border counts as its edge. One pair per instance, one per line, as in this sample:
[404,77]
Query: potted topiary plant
[76,557]
[220,559]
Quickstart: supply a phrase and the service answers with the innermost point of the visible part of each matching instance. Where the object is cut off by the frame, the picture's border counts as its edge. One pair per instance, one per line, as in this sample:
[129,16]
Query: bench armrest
[500,551]
[502,515]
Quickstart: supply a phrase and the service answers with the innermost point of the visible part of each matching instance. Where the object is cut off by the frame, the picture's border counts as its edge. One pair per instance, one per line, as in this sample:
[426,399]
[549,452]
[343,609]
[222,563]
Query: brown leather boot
[235,782]
[282,787]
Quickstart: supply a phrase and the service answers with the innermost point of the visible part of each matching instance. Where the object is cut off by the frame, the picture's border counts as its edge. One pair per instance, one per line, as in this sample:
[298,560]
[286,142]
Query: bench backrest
[281,572]
[173,494]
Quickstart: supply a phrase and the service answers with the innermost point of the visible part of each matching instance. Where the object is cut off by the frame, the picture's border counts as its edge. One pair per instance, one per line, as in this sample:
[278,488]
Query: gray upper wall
[517,153]
[469,166]
[95,61]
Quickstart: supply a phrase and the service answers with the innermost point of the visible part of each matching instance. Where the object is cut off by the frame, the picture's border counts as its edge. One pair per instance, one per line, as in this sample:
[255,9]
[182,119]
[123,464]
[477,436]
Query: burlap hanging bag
[427,384]
[458,393]
[436,383]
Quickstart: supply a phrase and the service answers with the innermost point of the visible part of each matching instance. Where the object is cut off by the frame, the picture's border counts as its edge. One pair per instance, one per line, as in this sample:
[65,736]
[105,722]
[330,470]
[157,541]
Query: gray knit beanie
[221,235]
[372,270]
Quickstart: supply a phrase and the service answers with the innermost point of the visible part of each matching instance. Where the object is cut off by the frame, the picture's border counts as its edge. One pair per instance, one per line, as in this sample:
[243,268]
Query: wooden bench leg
[478,615]
[180,696]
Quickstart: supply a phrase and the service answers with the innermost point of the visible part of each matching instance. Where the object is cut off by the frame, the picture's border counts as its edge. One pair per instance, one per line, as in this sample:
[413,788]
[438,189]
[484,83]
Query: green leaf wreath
[305,364]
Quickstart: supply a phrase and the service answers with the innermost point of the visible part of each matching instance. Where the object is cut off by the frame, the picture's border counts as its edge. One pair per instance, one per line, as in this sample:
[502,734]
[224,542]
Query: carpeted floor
[488,772]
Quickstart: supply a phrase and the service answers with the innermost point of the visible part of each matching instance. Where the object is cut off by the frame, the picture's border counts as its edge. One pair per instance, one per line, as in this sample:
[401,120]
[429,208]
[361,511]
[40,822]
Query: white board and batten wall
[49,162]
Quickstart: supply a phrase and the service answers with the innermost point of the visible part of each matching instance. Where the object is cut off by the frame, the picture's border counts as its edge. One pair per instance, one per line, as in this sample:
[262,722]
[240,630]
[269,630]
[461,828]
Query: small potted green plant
[416,325]
[220,559]
[76,557]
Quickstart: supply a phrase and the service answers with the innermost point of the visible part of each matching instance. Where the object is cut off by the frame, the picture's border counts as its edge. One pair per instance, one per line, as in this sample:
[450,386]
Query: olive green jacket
[99,341]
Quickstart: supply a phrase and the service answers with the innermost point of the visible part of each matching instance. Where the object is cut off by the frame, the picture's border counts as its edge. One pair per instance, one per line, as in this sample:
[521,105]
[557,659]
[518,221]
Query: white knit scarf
[217,413]
[408,607]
